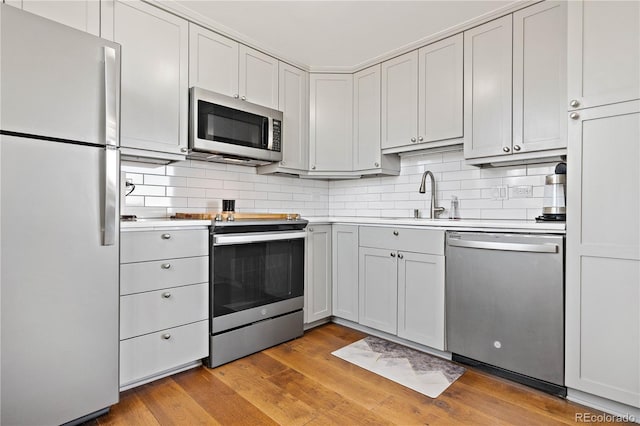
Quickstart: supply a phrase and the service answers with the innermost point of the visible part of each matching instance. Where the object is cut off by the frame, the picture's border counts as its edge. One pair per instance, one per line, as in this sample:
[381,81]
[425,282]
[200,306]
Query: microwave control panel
[277,135]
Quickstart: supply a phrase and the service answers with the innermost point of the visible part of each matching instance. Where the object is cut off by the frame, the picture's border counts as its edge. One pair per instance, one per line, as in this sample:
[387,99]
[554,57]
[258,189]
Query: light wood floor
[301,383]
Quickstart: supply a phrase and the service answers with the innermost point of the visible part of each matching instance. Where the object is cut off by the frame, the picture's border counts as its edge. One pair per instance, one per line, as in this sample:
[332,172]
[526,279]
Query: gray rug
[416,370]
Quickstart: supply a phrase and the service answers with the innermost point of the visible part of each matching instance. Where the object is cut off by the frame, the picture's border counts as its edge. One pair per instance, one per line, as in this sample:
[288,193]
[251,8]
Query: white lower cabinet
[401,286]
[164,302]
[344,239]
[317,293]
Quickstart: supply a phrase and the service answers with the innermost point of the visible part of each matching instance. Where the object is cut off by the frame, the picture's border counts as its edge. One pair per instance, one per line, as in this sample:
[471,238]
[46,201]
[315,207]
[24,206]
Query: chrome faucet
[433,210]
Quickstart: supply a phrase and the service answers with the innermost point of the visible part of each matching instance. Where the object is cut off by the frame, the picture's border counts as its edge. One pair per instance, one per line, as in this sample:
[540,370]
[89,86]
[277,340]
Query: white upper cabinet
[154,97]
[400,100]
[366,119]
[540,77]
[487,85]
[440,90]
[225,66]
[604,52]
[330,124]
[258,79]
[294,104]
[213,61]
[80,14]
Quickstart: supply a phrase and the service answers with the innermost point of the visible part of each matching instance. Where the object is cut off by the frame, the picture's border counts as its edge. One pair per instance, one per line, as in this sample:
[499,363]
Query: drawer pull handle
[166,266]
[166,236]
[395,233]
[166,295]
[166,336]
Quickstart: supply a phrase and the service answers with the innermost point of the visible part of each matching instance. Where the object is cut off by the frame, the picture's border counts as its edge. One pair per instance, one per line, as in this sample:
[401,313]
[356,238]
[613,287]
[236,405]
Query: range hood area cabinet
[154,106]
[222,65]
[422,97]
[532,79]
[603,251]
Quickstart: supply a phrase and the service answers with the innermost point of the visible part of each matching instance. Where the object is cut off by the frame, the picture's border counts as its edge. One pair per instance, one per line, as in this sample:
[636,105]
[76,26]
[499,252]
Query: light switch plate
[521,191]
[499,192]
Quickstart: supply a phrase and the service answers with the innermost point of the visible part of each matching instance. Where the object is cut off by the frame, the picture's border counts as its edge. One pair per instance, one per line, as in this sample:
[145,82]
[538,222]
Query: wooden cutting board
[211,216]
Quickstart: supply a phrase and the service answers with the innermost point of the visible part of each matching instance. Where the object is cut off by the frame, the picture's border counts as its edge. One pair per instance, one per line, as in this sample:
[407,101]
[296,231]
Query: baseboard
[619,412]
[165,373]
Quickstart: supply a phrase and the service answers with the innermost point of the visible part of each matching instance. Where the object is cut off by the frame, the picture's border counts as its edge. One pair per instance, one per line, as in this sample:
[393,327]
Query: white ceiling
[336,34]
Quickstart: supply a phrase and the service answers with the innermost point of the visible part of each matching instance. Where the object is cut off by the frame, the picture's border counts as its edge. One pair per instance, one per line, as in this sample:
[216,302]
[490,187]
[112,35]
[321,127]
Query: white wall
[196,186]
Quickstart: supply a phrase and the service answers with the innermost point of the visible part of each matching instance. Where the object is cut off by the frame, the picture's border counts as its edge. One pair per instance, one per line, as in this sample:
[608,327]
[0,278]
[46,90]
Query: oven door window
[222,124]
[250,275]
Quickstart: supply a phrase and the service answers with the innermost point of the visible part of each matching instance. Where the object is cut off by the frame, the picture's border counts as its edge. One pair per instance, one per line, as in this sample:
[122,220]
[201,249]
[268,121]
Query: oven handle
[225,240]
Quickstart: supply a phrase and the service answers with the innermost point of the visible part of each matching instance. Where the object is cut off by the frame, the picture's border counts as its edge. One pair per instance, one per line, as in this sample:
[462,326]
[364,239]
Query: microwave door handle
[269,134]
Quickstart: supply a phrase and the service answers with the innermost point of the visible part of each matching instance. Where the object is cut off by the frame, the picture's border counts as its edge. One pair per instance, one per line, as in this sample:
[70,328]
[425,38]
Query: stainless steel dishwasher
[505,305]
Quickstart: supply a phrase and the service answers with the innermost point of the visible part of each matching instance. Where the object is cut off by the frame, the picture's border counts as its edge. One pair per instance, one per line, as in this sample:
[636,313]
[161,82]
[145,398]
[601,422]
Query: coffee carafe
[554,206]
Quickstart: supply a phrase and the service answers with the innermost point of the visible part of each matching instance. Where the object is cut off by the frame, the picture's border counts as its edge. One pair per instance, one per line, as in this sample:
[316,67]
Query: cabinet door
[258,77]
[318,291]
[604,52]
[378,288]
[83,15]
[400,100]
[154,90]
[294,104]
[440,90]
[366,119]
[487,89]
[344,239]
[539,77]
[421,298]
[213,61]
[603,253]
[330,125]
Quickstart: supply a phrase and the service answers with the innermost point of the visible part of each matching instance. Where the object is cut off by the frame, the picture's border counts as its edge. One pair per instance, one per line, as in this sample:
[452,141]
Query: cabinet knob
[574,103]
[284,163]
[516,148]
[393,254]
[310,229]
[235,95]
[506,149]
[574,115]
[413,139]
[376,164]
[400,256]
[166,336]
[183,149]
[244,98]
[166,294]
[420,139]
[313,167]
[166,266]
[395,233]
[166,236]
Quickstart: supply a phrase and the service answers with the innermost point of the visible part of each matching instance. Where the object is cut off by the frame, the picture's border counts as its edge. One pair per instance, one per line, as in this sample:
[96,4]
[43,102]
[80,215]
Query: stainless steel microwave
[227,129]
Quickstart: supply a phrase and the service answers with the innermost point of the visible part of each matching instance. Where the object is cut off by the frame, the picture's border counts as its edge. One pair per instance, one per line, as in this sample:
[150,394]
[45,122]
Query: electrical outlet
[499,193]
[521,191]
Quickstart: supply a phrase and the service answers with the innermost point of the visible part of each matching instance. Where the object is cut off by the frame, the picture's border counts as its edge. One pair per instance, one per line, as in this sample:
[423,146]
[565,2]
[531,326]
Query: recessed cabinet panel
[344,240]
[539,77]
[366,119]
[440,85]
[294,104]
[487,82]
[400,100]
[318,290]
[213,61]
[378,289]
[604,49]
[258,77]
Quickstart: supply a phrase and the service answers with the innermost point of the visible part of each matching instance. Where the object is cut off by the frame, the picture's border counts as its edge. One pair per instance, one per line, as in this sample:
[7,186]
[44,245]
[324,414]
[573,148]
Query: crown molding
[204,21]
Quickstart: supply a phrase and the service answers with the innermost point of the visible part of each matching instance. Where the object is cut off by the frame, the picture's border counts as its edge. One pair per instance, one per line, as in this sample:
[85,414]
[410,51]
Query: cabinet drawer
[158,310]
[159,274]
[152,354]
[404,239]
[142,246]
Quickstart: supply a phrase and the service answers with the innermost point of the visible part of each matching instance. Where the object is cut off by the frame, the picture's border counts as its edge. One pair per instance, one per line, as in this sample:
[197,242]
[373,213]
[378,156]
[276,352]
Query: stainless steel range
[257,285]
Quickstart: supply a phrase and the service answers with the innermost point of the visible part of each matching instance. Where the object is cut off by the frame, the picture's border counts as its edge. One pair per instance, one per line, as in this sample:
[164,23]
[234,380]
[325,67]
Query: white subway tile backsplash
[185,171]
[165,180]
[176,191]
[142,168]
[204,183]
[149,190]
[165,202]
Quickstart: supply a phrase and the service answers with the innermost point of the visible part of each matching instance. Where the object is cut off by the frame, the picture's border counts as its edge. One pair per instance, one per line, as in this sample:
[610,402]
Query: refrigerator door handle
[111,146]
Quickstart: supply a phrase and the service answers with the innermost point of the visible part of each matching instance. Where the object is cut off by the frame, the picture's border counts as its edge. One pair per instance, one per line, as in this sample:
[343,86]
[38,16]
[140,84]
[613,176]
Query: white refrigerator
[59,221]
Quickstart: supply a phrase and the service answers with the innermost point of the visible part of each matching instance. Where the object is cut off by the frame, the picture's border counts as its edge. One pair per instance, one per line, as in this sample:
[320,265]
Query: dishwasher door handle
[490,245]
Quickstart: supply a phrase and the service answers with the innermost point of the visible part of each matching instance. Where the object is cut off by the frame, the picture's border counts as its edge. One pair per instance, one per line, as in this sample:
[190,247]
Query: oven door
[255,276]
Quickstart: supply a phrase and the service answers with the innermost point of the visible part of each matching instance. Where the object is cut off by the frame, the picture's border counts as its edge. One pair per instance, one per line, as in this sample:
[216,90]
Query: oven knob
[263,312]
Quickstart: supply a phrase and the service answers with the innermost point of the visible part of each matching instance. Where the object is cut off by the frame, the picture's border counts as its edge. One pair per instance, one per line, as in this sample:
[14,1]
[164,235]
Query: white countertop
[446,224]
[459,224]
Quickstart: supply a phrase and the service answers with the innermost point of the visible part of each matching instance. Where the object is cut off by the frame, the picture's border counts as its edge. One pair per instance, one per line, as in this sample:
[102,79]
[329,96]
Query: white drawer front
[159,274]
[416,240]
[158,310]
[143,246]
[152,354]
